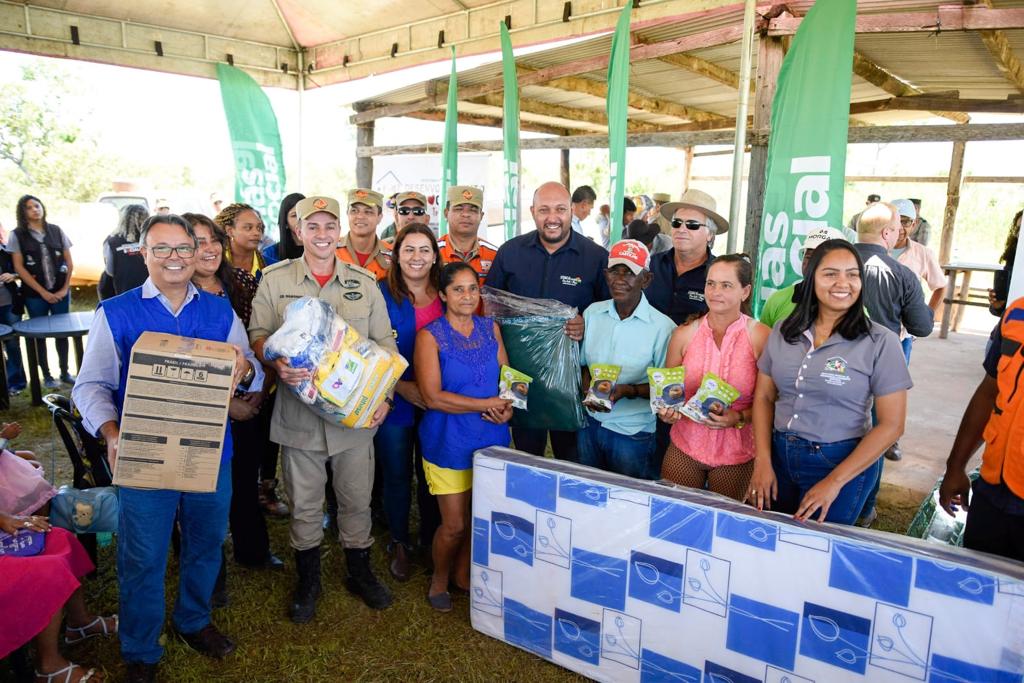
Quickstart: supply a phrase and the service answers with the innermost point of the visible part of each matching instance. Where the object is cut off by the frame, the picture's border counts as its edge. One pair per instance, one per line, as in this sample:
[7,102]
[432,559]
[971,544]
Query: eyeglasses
[904,221]
[182,250]
[415,211]
[690,224]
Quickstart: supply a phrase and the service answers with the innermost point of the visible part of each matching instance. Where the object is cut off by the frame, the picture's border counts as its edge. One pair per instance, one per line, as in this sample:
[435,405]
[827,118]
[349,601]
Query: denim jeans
[869,505]
[394,449]
[632,455]
[144,533]
[38,307]
[799,464]
[12,347]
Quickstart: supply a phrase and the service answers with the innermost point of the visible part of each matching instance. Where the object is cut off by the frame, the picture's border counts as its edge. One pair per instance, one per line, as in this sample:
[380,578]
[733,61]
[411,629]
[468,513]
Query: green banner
[616,108]
[510,130]
[450,150]
[806,163]
[255,141]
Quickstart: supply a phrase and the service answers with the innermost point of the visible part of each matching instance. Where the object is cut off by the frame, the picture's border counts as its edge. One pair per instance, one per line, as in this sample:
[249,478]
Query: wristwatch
[248,377]
[390,401]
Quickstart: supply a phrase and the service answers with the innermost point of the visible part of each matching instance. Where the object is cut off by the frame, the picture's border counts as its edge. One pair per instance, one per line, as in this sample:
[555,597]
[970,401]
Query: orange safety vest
[1003,461]
[480,258]
[378,263]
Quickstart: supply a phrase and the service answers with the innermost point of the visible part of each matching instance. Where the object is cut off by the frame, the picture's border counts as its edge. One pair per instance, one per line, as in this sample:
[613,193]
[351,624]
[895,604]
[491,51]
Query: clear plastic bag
[351,375]
[533,331]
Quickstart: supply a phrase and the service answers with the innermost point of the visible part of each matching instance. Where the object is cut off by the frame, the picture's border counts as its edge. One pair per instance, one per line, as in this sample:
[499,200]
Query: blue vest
[403,324]
[206,316]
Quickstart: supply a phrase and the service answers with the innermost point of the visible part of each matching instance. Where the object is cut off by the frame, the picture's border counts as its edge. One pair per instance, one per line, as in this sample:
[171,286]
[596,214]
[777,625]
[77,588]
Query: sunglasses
[415,211]
[690,224]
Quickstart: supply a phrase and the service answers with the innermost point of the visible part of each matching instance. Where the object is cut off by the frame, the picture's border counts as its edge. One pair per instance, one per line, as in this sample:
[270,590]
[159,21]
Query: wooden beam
[871,134]
[492,122]
[999,47]
[564,169]
[364,165]
[558,111]
[721,36]
[934,102]
[687,167]
[882,78]
[948,17]
[703,67]
[956,169]
[770,53]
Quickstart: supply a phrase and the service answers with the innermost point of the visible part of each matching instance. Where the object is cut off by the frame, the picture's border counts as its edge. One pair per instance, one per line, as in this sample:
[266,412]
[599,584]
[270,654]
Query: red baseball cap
[630,253]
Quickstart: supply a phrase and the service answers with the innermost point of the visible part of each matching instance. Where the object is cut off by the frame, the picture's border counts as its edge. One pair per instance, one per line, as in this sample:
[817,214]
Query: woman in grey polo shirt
[822,369]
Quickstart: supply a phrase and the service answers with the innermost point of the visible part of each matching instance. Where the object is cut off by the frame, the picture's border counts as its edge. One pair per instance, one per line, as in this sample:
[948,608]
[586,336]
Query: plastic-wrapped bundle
[351,374]
[533,331]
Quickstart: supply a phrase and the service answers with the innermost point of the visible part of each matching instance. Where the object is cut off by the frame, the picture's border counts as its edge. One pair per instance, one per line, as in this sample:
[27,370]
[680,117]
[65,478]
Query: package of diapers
[351,375]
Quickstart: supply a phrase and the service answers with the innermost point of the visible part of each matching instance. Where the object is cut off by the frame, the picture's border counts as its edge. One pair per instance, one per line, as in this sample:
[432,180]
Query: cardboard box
[175,412]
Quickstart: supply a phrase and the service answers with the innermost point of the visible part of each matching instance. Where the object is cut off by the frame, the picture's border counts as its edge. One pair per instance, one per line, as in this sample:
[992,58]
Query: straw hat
[701,201]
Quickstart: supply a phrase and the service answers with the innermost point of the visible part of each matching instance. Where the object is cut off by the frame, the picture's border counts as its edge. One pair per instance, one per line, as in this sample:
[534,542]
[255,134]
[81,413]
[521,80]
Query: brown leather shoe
[271,504]
[209,641]
[399,565]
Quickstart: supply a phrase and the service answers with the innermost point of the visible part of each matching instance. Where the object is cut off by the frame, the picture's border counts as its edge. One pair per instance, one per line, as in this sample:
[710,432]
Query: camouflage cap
[466,194]
[362,195]
[310,205]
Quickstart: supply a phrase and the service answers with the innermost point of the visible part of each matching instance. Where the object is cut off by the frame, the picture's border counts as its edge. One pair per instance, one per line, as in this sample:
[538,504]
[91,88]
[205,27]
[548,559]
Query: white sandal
[67,670]
[74,635]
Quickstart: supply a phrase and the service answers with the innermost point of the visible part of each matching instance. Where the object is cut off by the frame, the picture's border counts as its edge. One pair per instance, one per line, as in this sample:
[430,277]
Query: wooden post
[364,165]
[953,185]
[565,169]
[769,60]
[687,166]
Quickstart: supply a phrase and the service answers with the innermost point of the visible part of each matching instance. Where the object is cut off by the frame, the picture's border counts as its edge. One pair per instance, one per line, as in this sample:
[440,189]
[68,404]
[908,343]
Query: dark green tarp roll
[534,334]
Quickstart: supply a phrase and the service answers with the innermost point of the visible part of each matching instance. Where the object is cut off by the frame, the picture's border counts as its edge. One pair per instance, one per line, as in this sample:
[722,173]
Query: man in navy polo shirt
[552,262]
[678,275]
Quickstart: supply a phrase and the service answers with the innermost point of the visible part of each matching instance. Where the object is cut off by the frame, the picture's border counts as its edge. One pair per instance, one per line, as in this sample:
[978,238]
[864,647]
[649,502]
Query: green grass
[347,641]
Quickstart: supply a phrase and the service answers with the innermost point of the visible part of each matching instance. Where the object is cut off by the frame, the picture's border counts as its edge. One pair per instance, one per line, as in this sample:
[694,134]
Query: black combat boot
[307,563]
[362,582]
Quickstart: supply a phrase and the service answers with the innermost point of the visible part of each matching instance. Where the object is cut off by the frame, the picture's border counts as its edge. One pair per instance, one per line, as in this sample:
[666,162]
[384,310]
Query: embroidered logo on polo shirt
[696,296]
[350,284]
[570,281]
[834,372]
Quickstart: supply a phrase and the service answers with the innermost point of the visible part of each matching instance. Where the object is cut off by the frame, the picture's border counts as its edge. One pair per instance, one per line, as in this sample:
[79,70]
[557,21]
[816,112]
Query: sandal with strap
[74,635]
[66,672]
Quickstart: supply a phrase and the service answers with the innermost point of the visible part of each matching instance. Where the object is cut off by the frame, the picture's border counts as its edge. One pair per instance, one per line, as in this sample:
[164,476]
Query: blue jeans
[12,347]
[393,448]
[799,464]
[632,455]
[36,308]
[869,505]
[144,533]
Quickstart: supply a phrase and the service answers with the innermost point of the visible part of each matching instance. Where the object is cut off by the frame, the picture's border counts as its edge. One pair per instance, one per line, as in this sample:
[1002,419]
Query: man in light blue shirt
[628,332]
[582,200]
[167,302]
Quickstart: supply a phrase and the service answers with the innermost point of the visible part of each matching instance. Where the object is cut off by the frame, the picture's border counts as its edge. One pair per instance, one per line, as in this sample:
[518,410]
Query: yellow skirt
[443,481]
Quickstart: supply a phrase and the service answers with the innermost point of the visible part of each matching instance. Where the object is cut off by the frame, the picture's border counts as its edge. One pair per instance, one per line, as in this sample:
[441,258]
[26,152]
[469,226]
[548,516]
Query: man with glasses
[361,246]
[309,442]
[916,256]
[552,262]
[410,207]
[166,302]
[678,275]
[625,331]
[465,212]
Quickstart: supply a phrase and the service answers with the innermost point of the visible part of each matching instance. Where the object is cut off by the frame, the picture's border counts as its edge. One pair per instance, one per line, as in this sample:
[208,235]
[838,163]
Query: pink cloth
[735,363]
[23,488]
[32,589]
[922,261]
[428,314]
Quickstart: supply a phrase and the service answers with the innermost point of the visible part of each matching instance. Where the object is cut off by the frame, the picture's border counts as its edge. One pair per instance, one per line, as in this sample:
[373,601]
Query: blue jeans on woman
[630,454]
[393,447]
[12,347]
[37,307]
[799,464]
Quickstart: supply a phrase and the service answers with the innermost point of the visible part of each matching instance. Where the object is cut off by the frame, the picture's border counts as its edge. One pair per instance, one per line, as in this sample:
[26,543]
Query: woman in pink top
[719,453]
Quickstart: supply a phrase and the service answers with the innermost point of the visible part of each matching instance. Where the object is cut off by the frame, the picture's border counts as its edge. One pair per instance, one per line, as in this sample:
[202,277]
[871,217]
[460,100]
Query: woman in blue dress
[457,361]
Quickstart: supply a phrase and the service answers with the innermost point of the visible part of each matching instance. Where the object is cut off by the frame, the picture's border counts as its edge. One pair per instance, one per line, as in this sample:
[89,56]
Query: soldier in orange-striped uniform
[464,210]
[360,246]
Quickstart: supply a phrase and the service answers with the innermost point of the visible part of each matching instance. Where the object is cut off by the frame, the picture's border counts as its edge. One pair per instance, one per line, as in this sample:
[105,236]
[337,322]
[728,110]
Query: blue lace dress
[469,366]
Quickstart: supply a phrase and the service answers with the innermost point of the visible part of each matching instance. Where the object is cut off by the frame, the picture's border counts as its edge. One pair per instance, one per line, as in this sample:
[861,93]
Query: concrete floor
[945,374]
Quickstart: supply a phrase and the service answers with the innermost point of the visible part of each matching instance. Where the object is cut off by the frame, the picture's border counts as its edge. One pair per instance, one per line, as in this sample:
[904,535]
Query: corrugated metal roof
[929,62]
